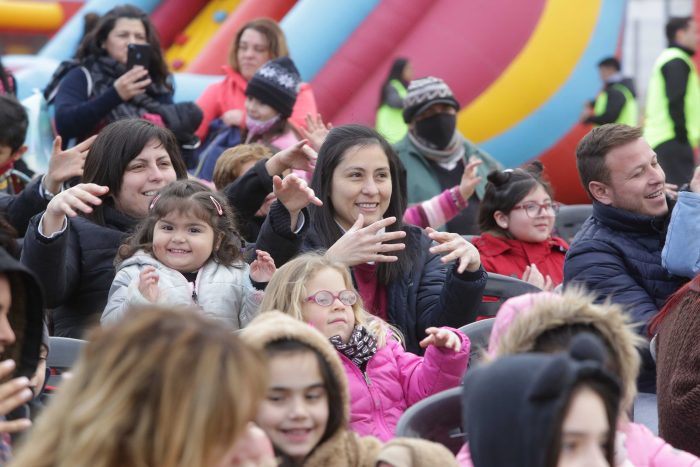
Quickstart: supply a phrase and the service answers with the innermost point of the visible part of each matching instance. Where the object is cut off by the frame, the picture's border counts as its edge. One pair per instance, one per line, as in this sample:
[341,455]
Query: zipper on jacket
[367,380]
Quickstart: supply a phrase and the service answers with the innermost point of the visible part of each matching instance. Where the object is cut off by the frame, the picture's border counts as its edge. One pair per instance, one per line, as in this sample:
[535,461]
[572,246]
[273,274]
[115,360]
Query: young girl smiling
[384,379]
[187,251]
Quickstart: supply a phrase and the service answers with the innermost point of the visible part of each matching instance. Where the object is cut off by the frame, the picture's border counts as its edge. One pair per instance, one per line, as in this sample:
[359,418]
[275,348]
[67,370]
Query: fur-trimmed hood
[521,320]
[343,447]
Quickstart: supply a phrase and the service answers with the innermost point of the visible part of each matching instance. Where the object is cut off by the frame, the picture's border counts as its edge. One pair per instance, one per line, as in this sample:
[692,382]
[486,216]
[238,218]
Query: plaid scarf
[360,348]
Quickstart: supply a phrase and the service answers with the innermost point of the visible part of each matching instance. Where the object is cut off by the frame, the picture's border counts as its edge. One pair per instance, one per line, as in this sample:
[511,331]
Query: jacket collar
[628,221]
[494,245]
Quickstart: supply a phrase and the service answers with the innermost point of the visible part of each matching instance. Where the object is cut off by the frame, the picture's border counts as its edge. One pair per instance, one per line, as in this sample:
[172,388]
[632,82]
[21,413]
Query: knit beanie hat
[276,84]
[424,92]
[511,408]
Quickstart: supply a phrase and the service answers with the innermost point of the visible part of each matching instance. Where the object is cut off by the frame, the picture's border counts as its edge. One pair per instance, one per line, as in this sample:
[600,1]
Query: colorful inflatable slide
[521,70]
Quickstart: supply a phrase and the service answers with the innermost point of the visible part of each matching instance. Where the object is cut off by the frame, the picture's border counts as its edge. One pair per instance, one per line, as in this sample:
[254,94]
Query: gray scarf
[447,158]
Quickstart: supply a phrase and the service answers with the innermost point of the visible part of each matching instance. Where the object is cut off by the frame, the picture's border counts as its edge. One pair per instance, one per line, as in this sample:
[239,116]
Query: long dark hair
[396,72]
[331,154]
[118,144]
[191,197]
[91,45]
[505,189]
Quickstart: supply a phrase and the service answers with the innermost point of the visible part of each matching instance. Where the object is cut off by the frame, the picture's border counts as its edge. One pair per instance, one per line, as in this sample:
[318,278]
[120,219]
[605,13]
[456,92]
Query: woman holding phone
[121,74]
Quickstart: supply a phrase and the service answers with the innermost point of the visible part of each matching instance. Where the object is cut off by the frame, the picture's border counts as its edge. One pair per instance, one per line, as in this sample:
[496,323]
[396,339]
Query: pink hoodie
[644,449]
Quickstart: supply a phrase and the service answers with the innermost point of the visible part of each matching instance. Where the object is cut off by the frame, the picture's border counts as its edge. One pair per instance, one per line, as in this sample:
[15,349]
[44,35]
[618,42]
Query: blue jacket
[681,253]
[430,294]
[617,254]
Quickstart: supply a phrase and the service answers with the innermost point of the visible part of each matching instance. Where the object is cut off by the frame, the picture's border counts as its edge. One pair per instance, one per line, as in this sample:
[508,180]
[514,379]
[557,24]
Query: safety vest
[629,115]
[389,121]
[658,125]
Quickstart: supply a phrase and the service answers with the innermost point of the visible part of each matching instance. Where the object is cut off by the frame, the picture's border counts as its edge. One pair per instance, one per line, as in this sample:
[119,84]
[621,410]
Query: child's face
[258,110]
[294,414]
[528,227]
[182,241]
[7,336]
[337,319]
[584,432]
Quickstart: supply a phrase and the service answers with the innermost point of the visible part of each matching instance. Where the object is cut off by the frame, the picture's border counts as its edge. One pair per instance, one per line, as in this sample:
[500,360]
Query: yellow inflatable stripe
[35,16]
[199,32]
[541,68]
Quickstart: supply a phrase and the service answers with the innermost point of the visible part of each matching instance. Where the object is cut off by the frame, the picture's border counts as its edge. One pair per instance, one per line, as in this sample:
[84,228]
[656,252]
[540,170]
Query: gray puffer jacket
[224,293]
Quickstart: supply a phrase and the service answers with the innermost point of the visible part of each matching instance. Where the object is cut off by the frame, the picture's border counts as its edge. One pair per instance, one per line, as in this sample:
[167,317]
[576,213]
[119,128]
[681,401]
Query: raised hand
[295,194]
[233,117]
[469,178]
[315,131]
[132,83]
[440,337]
[148,284]
[695,182]
[69,202]
[262,269]
[366,244]
[455,248]
[533,276]
[13,394]
[67,164]
[298,156]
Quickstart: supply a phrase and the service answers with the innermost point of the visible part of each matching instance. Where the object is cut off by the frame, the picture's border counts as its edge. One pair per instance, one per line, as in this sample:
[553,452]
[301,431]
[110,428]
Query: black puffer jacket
[76,268]
[430,294]
[26,315]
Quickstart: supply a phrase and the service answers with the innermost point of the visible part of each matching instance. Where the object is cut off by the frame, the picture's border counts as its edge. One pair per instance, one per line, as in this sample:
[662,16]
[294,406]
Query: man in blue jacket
[617,252]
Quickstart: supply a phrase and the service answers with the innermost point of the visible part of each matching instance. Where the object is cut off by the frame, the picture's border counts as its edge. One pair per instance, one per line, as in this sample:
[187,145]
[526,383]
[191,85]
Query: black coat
[76,268]
[429,294]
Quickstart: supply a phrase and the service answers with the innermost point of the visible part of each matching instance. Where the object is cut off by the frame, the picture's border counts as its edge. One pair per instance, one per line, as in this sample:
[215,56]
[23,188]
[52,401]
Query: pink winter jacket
[644,448]
[395,380]
[218,98]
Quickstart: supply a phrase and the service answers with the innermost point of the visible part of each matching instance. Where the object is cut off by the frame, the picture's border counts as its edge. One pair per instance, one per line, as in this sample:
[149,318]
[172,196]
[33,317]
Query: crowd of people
[259,288]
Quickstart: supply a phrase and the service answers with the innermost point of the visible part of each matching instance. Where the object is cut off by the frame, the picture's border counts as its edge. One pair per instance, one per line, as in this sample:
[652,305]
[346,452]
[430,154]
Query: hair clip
[153,203]
[217,205]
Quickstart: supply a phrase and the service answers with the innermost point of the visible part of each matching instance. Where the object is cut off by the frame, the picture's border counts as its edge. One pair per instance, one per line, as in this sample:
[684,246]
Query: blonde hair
[163,388]
[229,164]
[287,291]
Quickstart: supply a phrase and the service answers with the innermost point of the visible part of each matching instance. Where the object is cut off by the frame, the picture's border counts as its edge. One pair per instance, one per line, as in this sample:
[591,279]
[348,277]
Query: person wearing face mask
[435,154]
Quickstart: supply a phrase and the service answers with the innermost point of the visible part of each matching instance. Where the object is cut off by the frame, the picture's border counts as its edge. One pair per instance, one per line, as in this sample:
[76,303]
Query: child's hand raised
[148,283]
[441,337]
[262,269]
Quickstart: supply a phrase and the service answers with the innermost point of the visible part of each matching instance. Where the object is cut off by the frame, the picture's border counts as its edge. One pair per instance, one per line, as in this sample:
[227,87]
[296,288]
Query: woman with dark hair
[99,88]
[73,255]
[256,42]
[516,218]
[389,121]
[358,218]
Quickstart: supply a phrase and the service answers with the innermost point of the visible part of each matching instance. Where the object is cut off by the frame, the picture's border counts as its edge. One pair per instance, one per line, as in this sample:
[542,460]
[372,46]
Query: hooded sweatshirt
[512,407]
[342,448]
[516,330]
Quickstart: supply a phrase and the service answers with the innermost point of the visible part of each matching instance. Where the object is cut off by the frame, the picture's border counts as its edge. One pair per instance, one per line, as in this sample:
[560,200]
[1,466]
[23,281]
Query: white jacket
[224,293]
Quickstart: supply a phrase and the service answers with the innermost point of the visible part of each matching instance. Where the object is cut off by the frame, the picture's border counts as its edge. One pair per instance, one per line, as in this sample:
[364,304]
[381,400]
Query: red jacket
[510,257]
[228,94]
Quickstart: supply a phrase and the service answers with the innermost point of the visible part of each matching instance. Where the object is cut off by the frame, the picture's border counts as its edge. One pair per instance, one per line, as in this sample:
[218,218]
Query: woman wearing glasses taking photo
[516,218]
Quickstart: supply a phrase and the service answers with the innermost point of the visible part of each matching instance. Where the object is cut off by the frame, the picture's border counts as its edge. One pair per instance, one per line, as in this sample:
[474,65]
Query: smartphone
[138,54]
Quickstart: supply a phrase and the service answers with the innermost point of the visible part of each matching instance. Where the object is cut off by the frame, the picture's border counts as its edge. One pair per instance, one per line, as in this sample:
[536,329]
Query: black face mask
[438,129]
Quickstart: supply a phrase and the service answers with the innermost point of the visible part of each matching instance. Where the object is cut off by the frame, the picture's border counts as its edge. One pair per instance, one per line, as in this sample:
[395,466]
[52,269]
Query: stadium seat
[500,288]
[63,352]
[570,219]
[478,334]
[436,418]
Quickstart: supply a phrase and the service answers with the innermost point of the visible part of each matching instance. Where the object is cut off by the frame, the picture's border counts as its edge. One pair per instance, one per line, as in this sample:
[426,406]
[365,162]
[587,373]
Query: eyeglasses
[326,298]
[533,209]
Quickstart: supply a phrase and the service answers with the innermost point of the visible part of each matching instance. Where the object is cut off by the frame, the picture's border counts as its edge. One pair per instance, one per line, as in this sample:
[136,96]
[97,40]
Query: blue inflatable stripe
[64,44]
[547,125]
[315,29]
